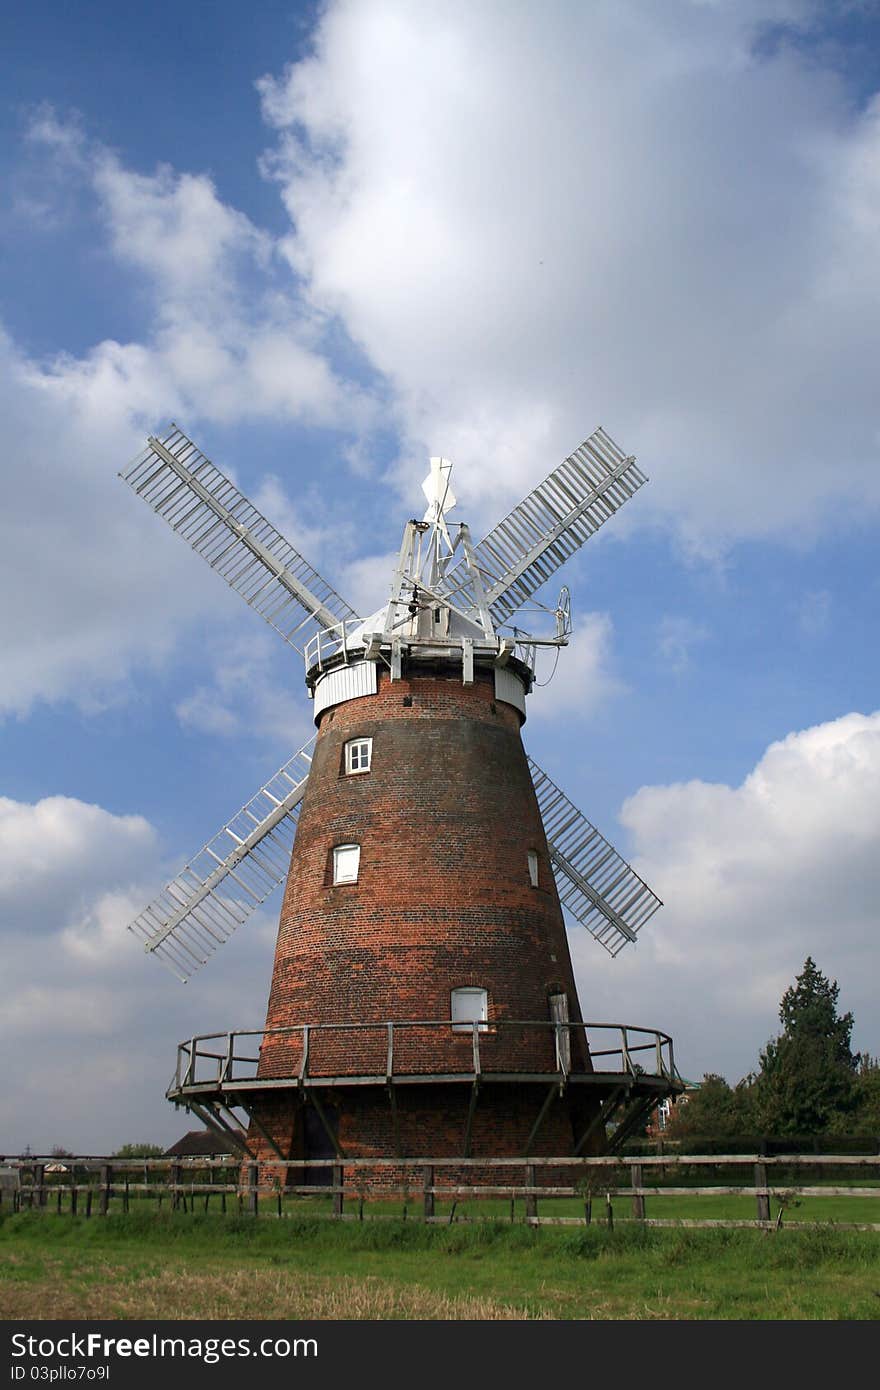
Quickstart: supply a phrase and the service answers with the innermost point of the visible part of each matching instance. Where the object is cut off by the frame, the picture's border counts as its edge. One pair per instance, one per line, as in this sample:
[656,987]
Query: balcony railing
[413,1047]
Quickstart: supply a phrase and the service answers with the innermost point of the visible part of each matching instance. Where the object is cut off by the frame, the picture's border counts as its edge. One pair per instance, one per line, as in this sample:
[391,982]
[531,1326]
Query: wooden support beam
[600,1119]
[209,1114]
[327,1127]
[267,1136]
[638,1110]
[470,1118]
[395,1119]
[548,1101]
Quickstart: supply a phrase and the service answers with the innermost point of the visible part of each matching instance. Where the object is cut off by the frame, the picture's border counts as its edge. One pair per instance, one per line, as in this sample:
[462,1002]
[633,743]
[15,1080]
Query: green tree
[715,1111]
[807,1080]
[139,1151]
[866,1108]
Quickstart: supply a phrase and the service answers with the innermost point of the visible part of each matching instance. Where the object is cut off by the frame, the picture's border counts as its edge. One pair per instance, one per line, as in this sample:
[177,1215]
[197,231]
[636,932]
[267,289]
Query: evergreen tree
[807,1081]
[866,1112]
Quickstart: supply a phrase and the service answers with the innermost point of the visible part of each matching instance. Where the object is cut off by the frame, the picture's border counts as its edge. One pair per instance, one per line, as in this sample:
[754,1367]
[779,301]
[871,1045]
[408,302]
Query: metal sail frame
[595,883]
[203,506]
[548,526]
[191,917]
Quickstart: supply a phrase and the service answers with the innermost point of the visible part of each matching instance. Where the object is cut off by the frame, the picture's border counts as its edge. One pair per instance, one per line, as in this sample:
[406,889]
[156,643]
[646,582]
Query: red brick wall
[445,819]
[431,1122]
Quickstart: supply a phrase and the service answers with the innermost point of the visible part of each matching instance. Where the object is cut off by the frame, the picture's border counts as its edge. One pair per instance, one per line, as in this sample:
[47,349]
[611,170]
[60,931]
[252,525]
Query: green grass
[147,1266]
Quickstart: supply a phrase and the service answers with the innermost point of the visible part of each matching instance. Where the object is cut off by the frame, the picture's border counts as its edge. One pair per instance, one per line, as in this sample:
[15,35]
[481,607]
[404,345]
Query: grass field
[147,1266]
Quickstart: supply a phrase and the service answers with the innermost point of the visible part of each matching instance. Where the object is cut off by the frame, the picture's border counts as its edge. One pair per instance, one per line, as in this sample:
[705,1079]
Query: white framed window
[533,867]
[469,1006]
[559,1015]
[358,755]
[346,861]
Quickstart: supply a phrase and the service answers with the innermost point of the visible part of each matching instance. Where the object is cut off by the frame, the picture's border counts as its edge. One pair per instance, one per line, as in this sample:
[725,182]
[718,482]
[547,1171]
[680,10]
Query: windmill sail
[228,879]
[548,526]
[206,509]
[594,882]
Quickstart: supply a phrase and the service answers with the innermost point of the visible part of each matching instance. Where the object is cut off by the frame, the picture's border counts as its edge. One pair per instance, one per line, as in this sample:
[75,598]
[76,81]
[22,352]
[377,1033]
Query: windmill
[423,998]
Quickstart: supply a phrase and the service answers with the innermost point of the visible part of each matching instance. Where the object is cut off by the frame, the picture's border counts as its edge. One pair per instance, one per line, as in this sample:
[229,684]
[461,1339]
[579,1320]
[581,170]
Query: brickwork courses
[445,819]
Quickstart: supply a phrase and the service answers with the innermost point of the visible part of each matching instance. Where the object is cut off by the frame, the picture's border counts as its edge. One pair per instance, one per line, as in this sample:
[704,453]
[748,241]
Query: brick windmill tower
[423,1001]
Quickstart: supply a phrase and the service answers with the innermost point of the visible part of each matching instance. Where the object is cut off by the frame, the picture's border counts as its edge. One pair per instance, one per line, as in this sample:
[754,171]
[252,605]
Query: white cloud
[754,879]
[89,1024]
[225,338]
[249,692]
[101,592]
[583,681]
[52,851]
[535,220]
[95,591]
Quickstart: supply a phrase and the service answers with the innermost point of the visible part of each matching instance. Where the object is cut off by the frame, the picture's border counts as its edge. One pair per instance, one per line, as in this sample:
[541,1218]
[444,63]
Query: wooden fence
[604,1188]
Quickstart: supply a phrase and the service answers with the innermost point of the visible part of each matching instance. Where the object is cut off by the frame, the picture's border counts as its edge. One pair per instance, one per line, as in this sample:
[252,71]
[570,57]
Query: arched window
[469,1006]
[346,861]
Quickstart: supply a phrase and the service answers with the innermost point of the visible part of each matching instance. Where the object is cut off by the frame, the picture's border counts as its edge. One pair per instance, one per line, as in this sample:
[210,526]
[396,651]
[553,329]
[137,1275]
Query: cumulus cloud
[91,1023]
[101,592]
[535,221]
[224,336]
[51,851]
[95,591]
[754,878]
[584,680]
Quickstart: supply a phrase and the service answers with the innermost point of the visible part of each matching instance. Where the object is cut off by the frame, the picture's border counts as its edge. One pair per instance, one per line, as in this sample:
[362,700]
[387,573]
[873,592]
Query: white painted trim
[345,683]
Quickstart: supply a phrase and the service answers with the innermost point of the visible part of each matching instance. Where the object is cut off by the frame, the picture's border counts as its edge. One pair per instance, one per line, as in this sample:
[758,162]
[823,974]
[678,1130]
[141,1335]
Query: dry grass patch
[113,1292]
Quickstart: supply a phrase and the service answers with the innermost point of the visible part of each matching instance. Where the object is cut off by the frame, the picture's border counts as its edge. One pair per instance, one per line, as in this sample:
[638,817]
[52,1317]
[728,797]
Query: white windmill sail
[206,509]
[548,526]
[595,883]
[228,879]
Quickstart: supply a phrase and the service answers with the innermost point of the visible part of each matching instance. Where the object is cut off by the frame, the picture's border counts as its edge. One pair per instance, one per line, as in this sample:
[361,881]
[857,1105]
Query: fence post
[763,1197]
[429,1191]
[531,1197]
[175,1186]
[338,1194]
[106,1180]
[638,1201]
[253,1178]
[40,1184]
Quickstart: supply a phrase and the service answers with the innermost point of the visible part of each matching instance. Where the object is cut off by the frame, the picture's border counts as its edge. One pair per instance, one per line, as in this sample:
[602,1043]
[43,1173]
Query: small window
[358,753]
[469,1006]
[559,1015]
[346,861]
[533,867]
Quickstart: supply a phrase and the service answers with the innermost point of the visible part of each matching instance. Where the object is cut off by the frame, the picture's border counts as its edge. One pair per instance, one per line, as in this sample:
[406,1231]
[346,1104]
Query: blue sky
[331,241]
